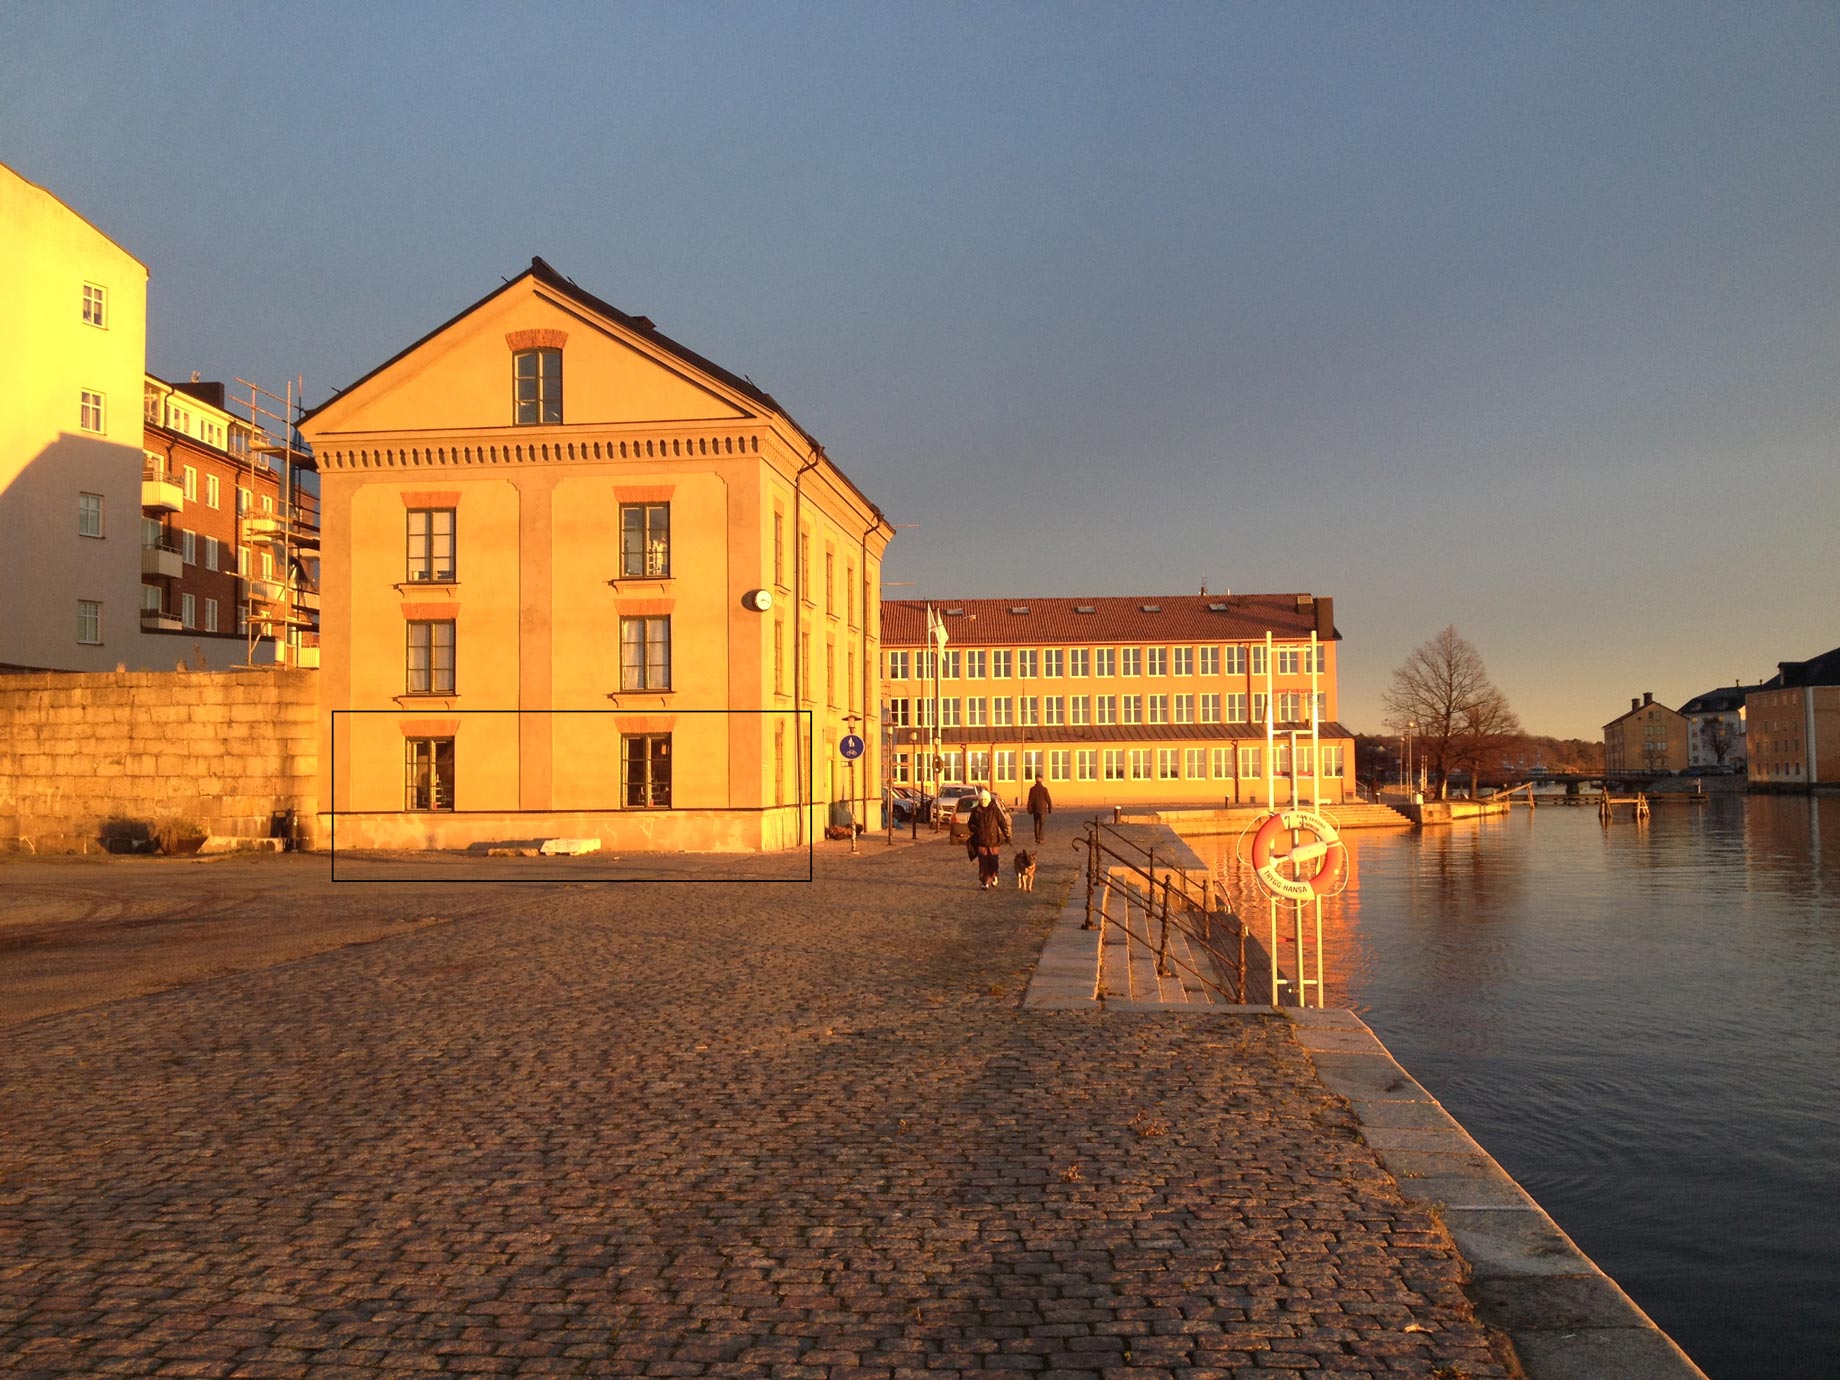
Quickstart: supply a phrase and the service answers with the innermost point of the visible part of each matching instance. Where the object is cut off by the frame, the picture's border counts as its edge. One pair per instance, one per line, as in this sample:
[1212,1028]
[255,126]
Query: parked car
[961,818]
[905,802]
[947,801]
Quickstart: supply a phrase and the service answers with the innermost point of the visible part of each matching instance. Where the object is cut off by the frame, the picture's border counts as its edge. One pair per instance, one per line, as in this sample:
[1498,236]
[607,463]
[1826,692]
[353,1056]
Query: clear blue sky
[1522,318]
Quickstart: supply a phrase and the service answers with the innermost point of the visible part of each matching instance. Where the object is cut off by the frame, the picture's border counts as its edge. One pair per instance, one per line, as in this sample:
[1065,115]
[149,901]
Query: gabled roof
[1821,670]
[640,325]
[1727,699]
[1642,708]
[1138,618]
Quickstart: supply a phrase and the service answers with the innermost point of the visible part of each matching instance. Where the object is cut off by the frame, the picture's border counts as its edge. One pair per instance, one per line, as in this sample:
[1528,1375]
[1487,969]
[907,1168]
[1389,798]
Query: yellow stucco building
[578,580]
[1172,700]
[1649,738]
[73,343]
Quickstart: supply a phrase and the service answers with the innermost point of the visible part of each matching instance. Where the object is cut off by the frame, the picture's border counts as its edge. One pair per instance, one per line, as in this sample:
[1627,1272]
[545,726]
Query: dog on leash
[1025,871]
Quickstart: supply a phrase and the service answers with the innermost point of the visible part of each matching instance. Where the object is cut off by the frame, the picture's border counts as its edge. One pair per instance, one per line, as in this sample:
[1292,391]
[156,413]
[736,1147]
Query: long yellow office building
[1174,700]
[580,581]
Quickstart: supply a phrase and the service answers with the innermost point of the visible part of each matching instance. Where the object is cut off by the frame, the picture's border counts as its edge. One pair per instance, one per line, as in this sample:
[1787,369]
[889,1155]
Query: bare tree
[1719,738]
[1457,716]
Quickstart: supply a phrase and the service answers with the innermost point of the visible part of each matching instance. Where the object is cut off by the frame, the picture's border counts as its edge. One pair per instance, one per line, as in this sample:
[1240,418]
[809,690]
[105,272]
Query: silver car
[947,801]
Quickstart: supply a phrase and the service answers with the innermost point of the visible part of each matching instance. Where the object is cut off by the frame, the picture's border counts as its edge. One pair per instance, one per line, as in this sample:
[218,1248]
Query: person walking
[989,831]
[1041,805]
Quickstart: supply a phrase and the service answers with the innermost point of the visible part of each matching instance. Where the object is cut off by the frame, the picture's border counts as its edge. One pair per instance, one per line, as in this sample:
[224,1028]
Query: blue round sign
[851,746]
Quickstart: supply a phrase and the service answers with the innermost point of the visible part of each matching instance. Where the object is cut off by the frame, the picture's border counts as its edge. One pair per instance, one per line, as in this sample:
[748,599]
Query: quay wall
[90,761]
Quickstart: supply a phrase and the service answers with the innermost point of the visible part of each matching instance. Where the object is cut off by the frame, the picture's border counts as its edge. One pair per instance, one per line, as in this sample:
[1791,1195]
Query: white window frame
[87,510]
[188,546]
[188,610]
[210,614]
[92,411]
[89,619]
[96,306]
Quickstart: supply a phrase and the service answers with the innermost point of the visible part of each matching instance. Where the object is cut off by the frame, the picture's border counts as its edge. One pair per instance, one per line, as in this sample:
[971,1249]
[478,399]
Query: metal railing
[1173,898]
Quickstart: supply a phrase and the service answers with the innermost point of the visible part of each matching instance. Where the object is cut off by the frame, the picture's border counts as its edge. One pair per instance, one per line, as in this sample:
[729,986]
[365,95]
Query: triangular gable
[459,377]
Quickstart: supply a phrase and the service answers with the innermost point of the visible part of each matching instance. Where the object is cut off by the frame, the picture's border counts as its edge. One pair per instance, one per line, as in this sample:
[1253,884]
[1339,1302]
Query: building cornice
[531,446]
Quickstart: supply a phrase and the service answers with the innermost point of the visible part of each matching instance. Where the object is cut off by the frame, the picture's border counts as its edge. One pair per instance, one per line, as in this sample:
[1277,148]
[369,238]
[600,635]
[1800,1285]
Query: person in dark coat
[989,831]
[1040,806]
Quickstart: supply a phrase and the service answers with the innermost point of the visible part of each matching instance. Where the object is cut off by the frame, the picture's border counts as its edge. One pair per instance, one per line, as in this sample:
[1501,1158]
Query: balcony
[159,620]
[307,600]
[159,559]
[307,658]
[161,495]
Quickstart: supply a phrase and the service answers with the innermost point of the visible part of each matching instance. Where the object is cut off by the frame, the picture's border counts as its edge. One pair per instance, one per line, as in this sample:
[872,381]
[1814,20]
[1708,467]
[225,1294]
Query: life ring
[1325,846]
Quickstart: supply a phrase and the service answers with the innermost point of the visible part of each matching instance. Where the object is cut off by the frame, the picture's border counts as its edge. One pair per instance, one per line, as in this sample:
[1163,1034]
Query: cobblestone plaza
[735,1129]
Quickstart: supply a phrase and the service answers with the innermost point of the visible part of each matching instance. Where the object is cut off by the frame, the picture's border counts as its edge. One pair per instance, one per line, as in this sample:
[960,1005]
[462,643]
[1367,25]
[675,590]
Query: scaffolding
[281,603]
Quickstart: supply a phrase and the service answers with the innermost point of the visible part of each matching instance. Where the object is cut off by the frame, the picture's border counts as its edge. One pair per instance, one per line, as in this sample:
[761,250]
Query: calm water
[1640,1023]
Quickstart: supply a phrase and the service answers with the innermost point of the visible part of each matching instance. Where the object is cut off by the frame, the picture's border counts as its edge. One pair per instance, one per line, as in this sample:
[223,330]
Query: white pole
[1271,766]
[1315,731]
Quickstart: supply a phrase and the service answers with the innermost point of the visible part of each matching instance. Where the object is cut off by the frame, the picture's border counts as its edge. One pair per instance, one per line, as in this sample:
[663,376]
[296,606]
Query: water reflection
[1638,1020]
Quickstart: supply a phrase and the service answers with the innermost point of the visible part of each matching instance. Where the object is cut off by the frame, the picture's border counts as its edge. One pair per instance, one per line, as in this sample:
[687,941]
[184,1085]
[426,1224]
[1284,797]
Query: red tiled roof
[1176,618]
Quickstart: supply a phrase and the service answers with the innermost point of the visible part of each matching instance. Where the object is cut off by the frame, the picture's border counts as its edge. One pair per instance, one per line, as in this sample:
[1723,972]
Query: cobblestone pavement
[726,1129]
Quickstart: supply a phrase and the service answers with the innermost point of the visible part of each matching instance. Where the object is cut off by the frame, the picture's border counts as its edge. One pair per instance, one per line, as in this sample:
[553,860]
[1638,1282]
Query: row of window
[830,572]
[184,542]
[977,663]
[1007,711]
[153,601]
[431,769]
[1131,764]
[432,656]
[433,543]
[89,507]
[830,667]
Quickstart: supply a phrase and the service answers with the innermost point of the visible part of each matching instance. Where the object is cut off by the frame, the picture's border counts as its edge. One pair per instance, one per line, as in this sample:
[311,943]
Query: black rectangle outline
[332,813]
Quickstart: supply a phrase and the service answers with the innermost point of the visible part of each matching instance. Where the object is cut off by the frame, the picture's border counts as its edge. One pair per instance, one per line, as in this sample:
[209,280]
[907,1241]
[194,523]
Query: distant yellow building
[1649,738]
[1160,700]
[577,580]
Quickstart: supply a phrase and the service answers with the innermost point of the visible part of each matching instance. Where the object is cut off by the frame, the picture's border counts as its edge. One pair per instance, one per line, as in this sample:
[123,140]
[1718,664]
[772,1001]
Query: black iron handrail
[1190,905]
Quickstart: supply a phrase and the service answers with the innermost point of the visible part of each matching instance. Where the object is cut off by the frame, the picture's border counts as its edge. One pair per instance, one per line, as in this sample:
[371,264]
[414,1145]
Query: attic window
[1020,608]
[536,383]
[1084,608]
[1151,608]
[1217,608]
[953,613]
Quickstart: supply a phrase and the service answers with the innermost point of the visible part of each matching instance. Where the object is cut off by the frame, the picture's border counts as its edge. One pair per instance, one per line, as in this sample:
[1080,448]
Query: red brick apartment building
[1147,700]
[229,535]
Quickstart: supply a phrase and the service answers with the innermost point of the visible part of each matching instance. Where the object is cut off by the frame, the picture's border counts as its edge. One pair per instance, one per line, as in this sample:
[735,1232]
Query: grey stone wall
[90,759]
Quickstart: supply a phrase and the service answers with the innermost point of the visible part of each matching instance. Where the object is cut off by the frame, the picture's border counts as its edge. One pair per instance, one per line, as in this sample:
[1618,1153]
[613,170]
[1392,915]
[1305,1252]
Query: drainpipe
[798,622]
